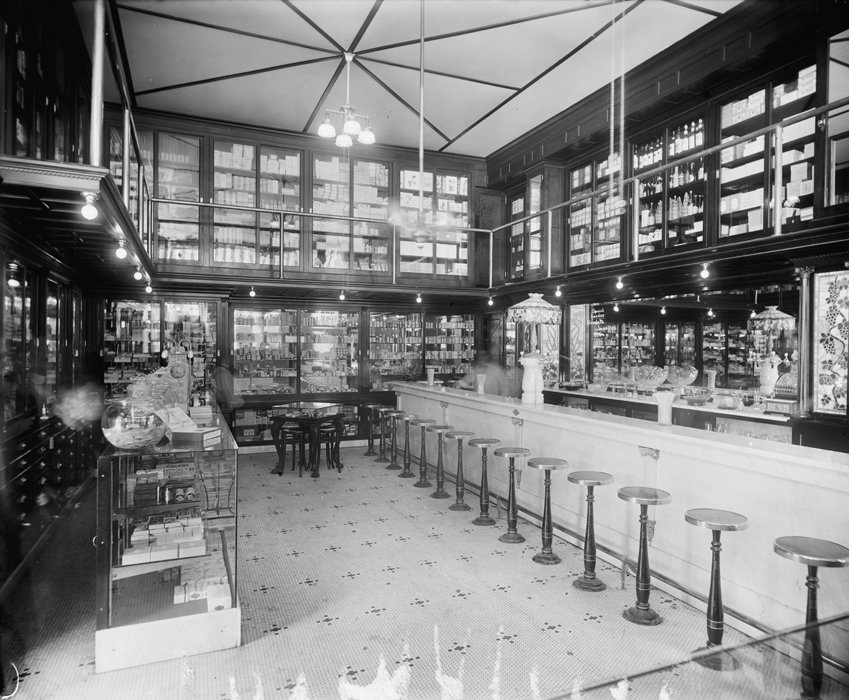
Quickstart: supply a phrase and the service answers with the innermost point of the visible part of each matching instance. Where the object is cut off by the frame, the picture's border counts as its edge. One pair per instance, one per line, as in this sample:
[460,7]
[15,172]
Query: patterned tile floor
[358,585]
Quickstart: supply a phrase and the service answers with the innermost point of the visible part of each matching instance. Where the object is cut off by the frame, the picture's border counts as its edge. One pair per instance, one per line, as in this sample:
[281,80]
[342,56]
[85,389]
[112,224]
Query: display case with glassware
[178,178]
[265,351]
[131,342]
[450,343]
[395,347]
[329,357]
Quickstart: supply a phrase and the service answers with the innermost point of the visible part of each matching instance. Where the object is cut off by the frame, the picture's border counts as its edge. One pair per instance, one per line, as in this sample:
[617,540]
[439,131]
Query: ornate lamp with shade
[773,323]
[536,312]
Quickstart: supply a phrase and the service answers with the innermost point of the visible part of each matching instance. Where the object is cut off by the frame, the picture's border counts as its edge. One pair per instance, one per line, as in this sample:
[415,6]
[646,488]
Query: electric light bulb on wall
[120,251]
[616,307]
[252,293]
[418,298]
[557,291]
[619,283]
[148,288]
[705,273]
[342,295]
[137,275]
[88,210]
[710,313]
[489,301]
[663,310]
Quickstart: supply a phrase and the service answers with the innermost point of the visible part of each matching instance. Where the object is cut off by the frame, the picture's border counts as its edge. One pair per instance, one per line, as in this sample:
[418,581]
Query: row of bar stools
[383,412]
[484,444]
[407,473]
[394,417]
[440,431]
[459,503]
[512,535]
[547,464]
[423,423]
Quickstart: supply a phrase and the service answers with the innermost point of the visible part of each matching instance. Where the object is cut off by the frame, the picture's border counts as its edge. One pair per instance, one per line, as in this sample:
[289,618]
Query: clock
[178,370]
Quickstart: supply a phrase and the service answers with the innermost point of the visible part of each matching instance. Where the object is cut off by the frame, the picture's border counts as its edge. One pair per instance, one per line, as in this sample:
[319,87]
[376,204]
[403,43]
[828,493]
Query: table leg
[641,613]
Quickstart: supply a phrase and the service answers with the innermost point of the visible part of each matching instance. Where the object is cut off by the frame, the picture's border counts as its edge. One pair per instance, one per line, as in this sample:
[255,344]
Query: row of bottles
[687,137]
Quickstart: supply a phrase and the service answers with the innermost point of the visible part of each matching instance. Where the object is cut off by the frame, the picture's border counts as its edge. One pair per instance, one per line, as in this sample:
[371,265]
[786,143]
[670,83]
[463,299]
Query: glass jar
[131,424]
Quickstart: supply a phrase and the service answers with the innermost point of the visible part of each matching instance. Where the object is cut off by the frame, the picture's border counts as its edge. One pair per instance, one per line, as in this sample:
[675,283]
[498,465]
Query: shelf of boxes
[450,343]
[178,177]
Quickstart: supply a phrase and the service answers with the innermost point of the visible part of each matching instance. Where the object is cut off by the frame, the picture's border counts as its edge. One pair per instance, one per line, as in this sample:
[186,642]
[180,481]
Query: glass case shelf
[450,343]
[395,347]
[178,177]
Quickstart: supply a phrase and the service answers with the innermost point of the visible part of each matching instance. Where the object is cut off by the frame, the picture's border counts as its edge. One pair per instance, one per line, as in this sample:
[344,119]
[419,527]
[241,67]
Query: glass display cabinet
[329,354]
[234,233]
[685,185]
[265,351]
[450,343]
[331,194]
[637,346]
[517,238]
[166,553]
[395,347]
[131,343]
[178,178]
[194,325]
[280,188]
[370,241]
[725,350]
[680,343]
[581,217]
[610,206]
[647,156]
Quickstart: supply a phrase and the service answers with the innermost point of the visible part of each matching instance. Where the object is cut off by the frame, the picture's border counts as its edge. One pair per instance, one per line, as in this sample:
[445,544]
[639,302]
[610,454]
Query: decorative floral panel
[831,330]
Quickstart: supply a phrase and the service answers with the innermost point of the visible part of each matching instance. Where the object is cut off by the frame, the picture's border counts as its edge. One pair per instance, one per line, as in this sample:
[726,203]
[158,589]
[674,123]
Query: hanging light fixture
[418,298]
[252,293]
[148,288]
[342,295]
[351,125]
[137,275]
[421,235]
[12,275]
[489,301]
[710,313]
[616,307]
[121,251]
[705,273]
[663,310]
[619,283]
[557,292]
[89,210]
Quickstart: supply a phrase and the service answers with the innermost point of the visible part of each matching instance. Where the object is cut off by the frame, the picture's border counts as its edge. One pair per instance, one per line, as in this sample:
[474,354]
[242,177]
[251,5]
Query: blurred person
[484,364]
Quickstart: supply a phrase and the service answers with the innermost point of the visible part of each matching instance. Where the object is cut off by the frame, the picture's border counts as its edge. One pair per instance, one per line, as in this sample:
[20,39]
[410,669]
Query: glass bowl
[729,402]
[650,377]
[131,424]
[680,377]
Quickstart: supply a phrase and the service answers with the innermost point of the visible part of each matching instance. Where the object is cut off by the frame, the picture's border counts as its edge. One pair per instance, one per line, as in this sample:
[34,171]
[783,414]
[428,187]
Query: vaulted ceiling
[493,69]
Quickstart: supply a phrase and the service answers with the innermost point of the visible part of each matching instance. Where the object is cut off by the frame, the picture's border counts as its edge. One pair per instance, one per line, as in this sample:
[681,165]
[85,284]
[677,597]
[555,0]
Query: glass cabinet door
[452,214]
[280,188]
[265,351]
[416,248]
[637,345]
[581,218]
[178,178]
[371,201]
[331,194]
[685,183]
[329,352]
[395,347]
[535,225]
[450,343]
[741,173]
[234,233]
[649,155]
[14,378]
[605,350]
[680,343]
[610,206]
[195,326]
[517,238]
[131,342]
[116,166]
[51,340]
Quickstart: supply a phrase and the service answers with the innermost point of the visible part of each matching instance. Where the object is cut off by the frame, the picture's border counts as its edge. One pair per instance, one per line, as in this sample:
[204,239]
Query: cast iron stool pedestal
[512,535]
[369,409]
[440,431]
[813,553]
[484,443]
[716,520]
[547,464]
[459,503]
[383,411]
[641,613]
[590,479]
[423,483]
[407,474]
[393,423]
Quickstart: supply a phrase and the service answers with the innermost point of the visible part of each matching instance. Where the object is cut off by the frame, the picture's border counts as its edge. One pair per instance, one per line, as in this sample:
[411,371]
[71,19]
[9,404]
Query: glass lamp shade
[366,136]
[773,319]
[535,309]
[344,141]
[326,129]
[352,126]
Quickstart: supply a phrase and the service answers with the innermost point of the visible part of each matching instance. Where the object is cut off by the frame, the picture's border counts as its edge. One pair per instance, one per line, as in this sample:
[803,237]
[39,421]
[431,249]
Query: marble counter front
[783,489]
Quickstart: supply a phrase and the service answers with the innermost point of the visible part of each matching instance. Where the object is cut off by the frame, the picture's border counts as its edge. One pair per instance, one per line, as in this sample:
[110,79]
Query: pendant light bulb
[616,308]
[705,273]
[489,301]
[252,293]
[13,280]
[137,275]
[710,313]
[120,251]
[88,210]
[418,298]
[619,283]
[663,310]
[148,288]
[753,314]
[326,129]
[557,292]
[342,295]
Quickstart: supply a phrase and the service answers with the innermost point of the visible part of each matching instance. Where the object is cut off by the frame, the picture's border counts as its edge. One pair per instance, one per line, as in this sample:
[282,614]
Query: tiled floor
[357,585]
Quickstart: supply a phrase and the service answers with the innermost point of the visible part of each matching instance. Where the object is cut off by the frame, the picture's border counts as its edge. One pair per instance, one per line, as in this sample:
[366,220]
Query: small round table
[590,479]
[645,496]
[813,553]
[716,521]
[512,535]
[310,415]
[548,465]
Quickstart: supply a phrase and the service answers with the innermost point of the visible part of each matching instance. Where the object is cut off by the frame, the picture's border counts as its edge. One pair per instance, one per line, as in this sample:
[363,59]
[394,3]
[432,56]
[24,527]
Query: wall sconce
[619,283]
[121,251]
[252,293]
[705,273]
[418,298]
[137,275]
[89,210]
[13,273]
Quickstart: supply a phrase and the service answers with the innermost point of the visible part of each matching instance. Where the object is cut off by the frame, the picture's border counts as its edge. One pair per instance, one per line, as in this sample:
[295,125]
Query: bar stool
[646,496]
[483,444]
[459,503]
[382,411]
[368,408]
[716,520]
[547,464]
[440,431]
[423,423]
[407,473]
[512,535]
[329,434]
[393,420]
[590,479]
[285,433]
[813,553]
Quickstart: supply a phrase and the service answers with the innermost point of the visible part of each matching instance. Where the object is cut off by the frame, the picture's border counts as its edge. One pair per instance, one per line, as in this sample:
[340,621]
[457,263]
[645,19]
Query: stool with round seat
[484,444]
[440,431]
[329,434]
[459,503]
[590,479]
[284,433]
[813,553]
[512,535]
[394,417]
[423,423]
[716,521]
[382,412]
[548,465]
[407,473]
[368,409]
[645,496]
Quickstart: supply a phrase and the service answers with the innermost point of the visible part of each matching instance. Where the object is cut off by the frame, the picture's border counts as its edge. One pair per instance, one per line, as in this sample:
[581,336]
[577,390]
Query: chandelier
[351,125]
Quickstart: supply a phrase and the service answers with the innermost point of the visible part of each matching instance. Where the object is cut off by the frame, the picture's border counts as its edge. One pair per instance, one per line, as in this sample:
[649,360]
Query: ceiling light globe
[14,284]
[89,211]
[344,141]
[705,273]
[326,130]
[351,127]
[490,301]
[120,252]
[148,289]
[366,136]
[137,275]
